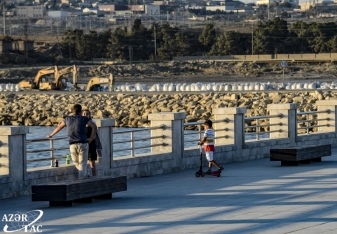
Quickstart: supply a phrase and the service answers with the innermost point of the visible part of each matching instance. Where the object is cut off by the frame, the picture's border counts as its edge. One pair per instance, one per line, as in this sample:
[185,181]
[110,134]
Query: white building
[152,9]
[57,14]
[95,11]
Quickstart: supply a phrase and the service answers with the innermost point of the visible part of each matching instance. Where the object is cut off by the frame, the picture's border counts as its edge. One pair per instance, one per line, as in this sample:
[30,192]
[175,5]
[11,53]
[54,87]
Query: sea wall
[132,109]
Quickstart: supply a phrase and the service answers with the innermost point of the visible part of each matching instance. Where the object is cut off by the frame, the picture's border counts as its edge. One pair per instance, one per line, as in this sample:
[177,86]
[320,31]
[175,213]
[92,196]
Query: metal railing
[52,149]
[199,133]
[133,139]
[256,129]
[309,124]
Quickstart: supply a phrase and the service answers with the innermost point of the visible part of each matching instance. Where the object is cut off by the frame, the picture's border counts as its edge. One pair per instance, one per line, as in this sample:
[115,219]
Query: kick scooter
[201,172]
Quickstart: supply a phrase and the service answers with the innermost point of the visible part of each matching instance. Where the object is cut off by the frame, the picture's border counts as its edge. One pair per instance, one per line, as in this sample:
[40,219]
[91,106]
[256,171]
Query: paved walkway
[250,197]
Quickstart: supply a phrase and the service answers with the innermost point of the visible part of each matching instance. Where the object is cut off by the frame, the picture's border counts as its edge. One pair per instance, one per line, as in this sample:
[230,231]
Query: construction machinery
[34,84]
[57,83]
[95,83]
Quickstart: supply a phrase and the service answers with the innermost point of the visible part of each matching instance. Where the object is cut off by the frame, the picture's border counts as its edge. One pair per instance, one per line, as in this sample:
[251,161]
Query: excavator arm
[34,84]
[64,71]
[59,82]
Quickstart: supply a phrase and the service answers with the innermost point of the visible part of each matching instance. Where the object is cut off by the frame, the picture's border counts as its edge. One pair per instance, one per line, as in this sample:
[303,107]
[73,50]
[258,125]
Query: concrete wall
[231,146]
[5,46]
[257,57]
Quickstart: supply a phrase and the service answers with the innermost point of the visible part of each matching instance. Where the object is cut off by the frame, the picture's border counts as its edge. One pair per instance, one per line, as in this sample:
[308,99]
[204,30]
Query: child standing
[208,141]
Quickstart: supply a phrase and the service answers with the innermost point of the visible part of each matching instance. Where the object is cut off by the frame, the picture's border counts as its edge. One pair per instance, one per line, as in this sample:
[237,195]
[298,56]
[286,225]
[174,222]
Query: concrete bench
[64,193]
[300,154]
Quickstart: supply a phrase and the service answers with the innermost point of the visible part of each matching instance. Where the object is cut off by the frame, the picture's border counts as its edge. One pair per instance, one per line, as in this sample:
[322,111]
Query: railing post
[105,134]
[330,106]
[132,144]
[52,161]
[287,119]
[13,158]
[173,132]
[233,127]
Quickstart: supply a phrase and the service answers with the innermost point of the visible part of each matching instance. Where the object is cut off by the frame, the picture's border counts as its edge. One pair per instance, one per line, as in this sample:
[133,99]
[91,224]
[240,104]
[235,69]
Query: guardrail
[308,124]
[256,129]
[133,139]
[199,133]
[52,149]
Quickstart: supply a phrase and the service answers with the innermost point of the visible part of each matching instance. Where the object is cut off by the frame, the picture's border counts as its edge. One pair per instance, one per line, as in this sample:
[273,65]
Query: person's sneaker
[208,172]
[221,168]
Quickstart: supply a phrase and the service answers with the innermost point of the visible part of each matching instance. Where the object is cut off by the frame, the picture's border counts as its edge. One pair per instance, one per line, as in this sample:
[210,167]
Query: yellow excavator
[34,84]
[57,83]
[95,83]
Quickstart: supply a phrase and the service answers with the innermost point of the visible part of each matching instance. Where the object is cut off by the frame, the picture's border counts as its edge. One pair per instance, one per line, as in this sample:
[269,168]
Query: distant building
[96,4]
[93,11]
[294,3]
[112,8]
[152,9]
[84,4]
[138,8]
[34,12]
[224,5]
[57,14]
[327,5]
[68,2]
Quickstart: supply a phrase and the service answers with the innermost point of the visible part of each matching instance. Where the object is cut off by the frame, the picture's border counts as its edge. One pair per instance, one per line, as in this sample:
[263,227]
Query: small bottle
[56,162]
[68,160]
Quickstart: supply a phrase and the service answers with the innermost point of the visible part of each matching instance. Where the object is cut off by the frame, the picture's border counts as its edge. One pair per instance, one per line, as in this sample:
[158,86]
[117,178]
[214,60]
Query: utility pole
[253,40]
[4,16]
[268,9]
[25,33]
[155,42]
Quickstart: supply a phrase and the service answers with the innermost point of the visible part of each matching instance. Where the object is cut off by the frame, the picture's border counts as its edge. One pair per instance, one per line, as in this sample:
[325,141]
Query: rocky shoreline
[131,110]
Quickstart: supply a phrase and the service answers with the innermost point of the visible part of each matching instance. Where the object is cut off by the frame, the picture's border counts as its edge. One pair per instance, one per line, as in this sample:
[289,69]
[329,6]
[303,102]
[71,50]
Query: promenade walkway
[256,196]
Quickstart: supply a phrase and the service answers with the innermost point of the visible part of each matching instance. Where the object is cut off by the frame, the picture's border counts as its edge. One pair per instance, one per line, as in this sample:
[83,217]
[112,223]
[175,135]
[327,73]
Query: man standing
[78,141]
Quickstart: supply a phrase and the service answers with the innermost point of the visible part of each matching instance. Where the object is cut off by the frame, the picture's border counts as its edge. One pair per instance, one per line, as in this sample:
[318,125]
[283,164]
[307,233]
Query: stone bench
[64,193]
[300,154]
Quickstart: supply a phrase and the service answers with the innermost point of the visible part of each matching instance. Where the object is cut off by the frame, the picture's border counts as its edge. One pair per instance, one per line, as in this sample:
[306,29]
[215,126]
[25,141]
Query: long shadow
[250,197]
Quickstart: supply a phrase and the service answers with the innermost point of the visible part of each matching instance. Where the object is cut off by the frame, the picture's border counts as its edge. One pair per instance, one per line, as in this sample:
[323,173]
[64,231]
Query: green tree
[175,43]
[118,47]
[141,41]
[208,37]
[301,35]
[231,43]
[270,36]
[68,44]
[333,44]
[102,43]
[321,34]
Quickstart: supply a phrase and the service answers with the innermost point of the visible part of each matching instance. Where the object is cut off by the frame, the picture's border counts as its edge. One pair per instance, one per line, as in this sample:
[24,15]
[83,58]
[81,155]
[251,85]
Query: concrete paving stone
[255,196]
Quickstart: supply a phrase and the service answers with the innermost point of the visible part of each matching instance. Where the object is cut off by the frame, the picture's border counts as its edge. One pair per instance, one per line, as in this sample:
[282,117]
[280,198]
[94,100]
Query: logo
[26,221]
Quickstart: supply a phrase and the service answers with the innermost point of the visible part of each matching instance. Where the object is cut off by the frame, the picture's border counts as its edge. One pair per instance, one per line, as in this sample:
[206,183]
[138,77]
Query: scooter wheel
[218,175]
[197,174]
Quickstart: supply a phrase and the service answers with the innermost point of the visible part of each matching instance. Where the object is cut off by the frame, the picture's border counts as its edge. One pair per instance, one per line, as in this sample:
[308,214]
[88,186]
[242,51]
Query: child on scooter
[208,142]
